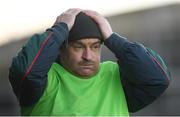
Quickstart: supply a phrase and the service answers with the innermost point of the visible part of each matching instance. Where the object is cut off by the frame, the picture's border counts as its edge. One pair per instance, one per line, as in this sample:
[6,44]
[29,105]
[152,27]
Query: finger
[93,14]
[74,11]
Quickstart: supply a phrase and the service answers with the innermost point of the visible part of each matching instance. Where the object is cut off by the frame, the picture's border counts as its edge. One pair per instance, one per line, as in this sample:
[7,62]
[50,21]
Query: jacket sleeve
[28,71]
[144,75]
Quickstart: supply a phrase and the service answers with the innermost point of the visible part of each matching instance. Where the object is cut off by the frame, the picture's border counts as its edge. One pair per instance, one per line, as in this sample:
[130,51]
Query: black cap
[84,27]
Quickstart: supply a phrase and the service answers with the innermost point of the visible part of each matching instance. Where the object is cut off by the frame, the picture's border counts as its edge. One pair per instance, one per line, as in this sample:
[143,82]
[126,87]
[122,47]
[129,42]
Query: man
[59,72]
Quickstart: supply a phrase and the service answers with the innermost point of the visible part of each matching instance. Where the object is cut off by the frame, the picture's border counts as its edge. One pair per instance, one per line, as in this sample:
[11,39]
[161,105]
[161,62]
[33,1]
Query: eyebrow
[78,43]
[97,42]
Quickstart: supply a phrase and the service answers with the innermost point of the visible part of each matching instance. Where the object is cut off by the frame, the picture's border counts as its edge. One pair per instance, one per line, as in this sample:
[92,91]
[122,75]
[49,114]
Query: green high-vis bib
[66,94]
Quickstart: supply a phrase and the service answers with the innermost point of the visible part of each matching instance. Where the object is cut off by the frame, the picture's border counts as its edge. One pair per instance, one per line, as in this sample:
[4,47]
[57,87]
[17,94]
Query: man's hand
[68,17]
[103,24]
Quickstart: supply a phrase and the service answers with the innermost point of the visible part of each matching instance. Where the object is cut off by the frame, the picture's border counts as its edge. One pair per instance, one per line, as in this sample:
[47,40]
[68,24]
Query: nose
[87,54]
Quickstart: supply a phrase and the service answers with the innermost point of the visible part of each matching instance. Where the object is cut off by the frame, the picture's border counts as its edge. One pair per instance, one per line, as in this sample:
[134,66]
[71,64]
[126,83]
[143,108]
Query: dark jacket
[143,73]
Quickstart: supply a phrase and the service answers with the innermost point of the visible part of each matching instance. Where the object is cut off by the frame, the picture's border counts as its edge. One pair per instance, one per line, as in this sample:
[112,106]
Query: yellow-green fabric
[66,94]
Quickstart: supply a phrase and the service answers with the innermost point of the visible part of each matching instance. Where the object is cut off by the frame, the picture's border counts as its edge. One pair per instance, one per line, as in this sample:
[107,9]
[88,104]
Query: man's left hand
[102,22]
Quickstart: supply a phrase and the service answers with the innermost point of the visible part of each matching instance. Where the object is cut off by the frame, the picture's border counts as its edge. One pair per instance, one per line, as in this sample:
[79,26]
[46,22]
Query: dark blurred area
[156,28]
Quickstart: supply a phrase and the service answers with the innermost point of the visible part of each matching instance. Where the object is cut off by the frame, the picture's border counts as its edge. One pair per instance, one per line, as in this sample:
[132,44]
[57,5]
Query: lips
[89,66]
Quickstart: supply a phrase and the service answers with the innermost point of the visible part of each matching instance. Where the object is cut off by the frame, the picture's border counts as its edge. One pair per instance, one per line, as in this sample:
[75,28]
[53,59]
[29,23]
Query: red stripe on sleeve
[37,55]
[160,66]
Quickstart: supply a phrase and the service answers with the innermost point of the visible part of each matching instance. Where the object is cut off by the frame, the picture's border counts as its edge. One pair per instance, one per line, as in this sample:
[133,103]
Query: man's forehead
[87,41]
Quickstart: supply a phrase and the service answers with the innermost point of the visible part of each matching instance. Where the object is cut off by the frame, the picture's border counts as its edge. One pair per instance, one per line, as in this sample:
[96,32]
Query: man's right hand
[68,17]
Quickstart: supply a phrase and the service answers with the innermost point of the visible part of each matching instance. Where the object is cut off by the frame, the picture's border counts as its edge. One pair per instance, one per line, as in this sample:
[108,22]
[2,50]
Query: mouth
[87,66]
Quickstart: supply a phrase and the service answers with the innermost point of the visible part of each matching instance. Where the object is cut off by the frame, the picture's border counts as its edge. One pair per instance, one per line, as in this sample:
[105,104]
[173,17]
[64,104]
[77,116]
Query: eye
[78,47]
[95,47]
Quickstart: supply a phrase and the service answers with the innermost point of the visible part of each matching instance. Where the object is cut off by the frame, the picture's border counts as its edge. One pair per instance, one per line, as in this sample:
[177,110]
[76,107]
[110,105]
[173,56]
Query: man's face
[82,57]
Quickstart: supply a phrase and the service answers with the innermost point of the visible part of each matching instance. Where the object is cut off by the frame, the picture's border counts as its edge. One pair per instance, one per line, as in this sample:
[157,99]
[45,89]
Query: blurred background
[154,23]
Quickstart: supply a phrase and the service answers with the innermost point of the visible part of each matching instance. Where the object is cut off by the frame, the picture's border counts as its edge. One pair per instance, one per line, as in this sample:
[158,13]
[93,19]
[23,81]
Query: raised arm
[143,73]
[28,71]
